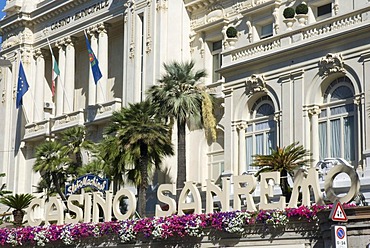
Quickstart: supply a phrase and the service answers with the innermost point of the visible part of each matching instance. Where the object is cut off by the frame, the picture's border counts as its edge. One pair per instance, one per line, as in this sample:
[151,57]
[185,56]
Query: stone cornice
[192,5]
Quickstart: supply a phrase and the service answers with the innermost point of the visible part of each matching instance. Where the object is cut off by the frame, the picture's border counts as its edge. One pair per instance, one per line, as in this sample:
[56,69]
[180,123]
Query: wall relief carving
[254,84]
[331,63]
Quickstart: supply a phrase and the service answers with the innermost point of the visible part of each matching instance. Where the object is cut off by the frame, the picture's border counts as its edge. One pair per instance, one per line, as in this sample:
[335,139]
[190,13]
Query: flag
[55,70]
[93,62]
[22,86]
[55,74]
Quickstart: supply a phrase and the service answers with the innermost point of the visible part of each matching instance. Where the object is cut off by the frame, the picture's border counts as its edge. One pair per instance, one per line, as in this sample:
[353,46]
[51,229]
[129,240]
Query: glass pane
[250,128]
[323,140]
[266,30]
[349,138]
[217,45]
[216,66]
[323,113]
[262,126]
[249,149]
[271,143]
[259,144]
[324,9]
[341,109]
[335,144]
[265,110]
[342,92]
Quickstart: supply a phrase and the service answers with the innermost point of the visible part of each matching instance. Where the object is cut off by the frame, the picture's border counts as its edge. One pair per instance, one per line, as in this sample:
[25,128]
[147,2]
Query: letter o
[355,183]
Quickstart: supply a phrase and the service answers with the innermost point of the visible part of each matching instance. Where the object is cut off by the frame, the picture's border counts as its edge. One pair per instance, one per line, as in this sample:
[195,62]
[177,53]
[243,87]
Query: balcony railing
[287,40]
[37,130]
[69,120]
[101,112]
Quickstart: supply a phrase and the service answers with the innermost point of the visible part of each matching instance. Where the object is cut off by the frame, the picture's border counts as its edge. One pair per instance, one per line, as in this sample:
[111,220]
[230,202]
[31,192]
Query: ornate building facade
[277,80]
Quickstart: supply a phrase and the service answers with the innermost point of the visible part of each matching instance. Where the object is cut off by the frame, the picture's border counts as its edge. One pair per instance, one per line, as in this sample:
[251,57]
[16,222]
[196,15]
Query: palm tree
[52,162]
[144,140]
[284,160]
[18,202]
[112,156]
[180,98]
[74,141]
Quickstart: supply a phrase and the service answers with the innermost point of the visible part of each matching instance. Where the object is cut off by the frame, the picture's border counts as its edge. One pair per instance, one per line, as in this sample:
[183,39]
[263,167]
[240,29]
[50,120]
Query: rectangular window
[217,60]
[266,31]
[324,10]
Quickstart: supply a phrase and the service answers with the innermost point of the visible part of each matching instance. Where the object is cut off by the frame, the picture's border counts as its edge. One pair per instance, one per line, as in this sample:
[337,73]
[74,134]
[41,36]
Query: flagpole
[64,95]
[23,109]
[96,86]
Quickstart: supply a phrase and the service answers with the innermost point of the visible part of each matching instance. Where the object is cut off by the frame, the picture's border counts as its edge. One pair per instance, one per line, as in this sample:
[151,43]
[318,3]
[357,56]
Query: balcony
[62,122]
[299,37]
[101,112]
[37,130]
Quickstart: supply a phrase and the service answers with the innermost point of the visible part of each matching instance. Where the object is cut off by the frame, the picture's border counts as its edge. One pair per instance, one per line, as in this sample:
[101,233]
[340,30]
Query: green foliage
[288,13]
[284,160]
[209,119]
[17,201]
[74,141]
[301,9]
[231,32]
[3,190]
[143,139]
[177,95]
[180,98]
[52,162]
[59,160]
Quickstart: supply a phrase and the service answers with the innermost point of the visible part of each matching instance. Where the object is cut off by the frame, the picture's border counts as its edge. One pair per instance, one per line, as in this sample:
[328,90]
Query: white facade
[275,83]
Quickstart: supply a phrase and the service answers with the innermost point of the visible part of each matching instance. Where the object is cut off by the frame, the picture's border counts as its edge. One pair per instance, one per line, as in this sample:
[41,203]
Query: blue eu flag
[93,62]
[22,86]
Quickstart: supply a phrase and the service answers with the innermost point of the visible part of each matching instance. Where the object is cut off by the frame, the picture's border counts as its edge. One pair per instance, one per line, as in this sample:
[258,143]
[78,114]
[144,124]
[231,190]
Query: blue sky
[2,4]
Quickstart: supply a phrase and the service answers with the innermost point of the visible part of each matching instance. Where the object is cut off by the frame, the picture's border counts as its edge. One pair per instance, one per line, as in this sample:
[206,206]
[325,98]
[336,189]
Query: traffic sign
[337,213]
[340,237]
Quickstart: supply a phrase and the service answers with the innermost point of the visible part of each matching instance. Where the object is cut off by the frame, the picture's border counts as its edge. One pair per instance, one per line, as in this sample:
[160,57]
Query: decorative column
[92,86]
[229,129]
[242,149]
[69,75]
[287,108]
[365,58]
[39,87]
[103,63]
[359,104]
[315,144]
[60,83]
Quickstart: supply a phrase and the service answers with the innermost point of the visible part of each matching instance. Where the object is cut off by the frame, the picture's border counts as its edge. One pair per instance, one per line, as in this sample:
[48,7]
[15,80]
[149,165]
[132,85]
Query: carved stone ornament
[216,12]
[254,84]
[331,63]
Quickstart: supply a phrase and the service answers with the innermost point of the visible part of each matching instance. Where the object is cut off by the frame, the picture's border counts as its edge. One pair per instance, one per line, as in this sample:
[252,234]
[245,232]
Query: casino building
[277,80]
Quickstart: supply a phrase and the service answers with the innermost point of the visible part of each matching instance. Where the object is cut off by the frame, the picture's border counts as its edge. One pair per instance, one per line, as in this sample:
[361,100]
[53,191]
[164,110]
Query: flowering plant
[158,228]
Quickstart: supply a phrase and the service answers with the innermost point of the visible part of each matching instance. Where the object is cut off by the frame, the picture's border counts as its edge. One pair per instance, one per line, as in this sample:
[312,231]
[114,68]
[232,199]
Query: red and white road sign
[337,213]
[340,237]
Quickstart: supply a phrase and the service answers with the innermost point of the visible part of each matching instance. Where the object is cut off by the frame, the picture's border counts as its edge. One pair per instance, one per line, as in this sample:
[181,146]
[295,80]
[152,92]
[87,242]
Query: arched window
[261,130]
[337,121]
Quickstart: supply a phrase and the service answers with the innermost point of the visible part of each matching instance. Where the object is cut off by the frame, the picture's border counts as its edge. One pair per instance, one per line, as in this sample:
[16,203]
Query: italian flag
[55,74]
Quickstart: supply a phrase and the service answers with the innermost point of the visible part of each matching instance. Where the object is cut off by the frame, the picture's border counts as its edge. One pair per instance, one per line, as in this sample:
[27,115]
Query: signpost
[337,213]
[339,233]
[340,236]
